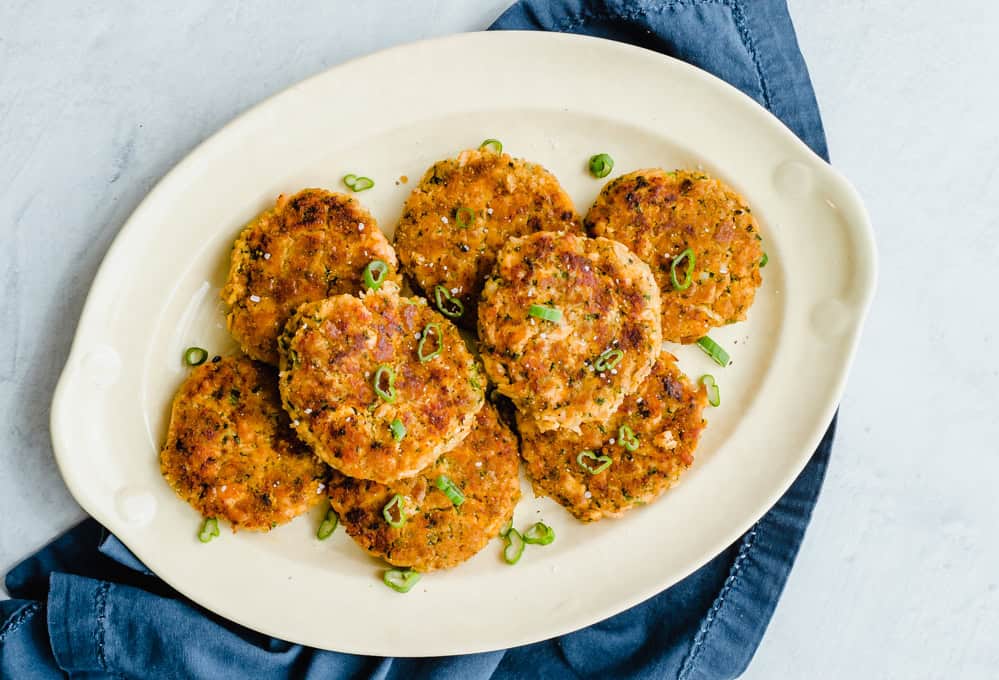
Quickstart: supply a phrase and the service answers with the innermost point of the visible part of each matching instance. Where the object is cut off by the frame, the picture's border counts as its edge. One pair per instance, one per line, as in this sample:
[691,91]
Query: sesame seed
[454,291]
[587,495]
[267,256]
[223,487]
[295,423]
[478,463]
[254,298]
[489,211]
[308,411]
[612,440]
[613,371]
[360,226]
[444,220]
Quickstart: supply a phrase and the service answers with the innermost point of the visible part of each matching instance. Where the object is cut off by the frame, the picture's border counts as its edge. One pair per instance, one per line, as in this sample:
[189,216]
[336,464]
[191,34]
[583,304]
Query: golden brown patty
[665,417]
[576,369]
[437,533]
[307,247]
[229,451]
[660,214]
[462,213]
[331,353]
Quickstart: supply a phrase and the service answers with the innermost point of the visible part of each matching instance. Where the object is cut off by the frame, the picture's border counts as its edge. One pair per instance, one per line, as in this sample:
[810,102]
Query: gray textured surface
[899,574]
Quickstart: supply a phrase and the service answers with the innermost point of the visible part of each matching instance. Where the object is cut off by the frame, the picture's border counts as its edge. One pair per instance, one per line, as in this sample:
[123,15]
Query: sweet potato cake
[631,459]
[307,247]
[698,236]
[379,385]
[230,451]
[568,325]
[461,214]
[446,513]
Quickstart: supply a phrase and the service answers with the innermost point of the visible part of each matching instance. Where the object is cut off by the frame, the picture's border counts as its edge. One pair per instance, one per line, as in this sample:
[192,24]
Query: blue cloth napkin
[86,607]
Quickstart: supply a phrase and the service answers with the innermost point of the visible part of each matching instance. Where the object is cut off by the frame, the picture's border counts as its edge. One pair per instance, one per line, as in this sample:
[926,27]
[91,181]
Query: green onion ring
[209,530]
[494,145]
[601,165]
[398,430]
[627,438]
[584,456]
[195,356]
[401,580]
[608,360]
[464,217]
[355,183]
[505,529]
[387,395]
[444,298]
[714,394]
[424,336]
[375,273]
[764,260]
[546,313]
[328,525]
[513,546]
[714,350]
[539,533]
[450,490]
[396,505]
[691,259]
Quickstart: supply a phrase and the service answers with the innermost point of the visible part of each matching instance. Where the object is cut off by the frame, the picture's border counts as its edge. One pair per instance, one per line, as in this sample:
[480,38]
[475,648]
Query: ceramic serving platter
[553,99]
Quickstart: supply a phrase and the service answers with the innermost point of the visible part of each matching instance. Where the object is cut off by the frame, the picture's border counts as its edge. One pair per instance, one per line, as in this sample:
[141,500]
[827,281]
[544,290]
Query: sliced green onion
[401,580]
[447,304]
[539,533]
[714,394]
[328,525]
[714,350]
[513,546]
[601,165]
[593,463]
[195,356]
[505,529]
[386,393]
[494,145]
[355,183]
[553,314]
[393,512]
[608,360]
[464,217]
[627,438]
[374,274]
[438,339]
[209,530]
[764,260]
[688,278]
[398,430]
[450,490]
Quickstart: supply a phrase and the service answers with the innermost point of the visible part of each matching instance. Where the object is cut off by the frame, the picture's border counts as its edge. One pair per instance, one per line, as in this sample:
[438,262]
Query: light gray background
[899,573]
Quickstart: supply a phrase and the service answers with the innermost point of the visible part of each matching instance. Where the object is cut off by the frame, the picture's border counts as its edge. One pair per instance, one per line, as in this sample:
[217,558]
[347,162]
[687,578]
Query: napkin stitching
[734,6]
[733,578]
[101,606]
[14,623]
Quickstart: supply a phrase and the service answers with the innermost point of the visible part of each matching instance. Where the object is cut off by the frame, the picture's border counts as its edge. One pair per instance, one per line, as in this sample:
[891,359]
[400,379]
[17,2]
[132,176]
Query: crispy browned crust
[438,534]
[658,215]
[609,301]
[665,414]
[307,247]
[508,196]
[230,452]
[330,353]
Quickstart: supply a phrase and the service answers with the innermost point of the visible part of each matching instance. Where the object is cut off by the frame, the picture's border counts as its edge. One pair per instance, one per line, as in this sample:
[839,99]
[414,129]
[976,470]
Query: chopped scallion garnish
[714,350]
[688,277]
[209,530]
[394,513]
[355,183]
[714,394]
[505,529]
[432,333]
[764,260]
[384,383]
[627,438]
[195,356]
[546,313]
[464,217]
[398,430]
[513,546]
[374,274]
[539,533]
[448,304]
[450,490]
[593,463]
[601,165]
[328,525]
[494,145]
[608,360]
[401,580]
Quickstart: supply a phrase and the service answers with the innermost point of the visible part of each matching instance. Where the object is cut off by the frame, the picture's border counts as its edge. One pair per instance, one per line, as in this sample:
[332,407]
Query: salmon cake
[230,451]
[379,385]
[461,214]
[698,236]
[631,459]
[568,325]
[308,247]
[445,514]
